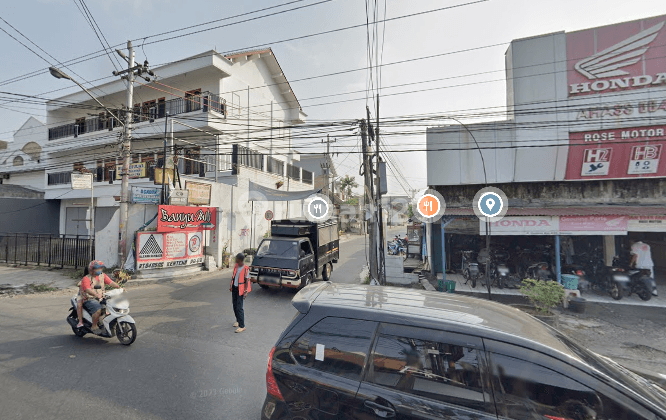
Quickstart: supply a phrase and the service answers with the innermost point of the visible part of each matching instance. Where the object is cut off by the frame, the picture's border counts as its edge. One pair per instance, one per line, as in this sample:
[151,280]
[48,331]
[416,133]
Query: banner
[647,224]
[146,195]
[167,250]
[183,218]
[199,193]
[136,170]
[617,153]
[600,225]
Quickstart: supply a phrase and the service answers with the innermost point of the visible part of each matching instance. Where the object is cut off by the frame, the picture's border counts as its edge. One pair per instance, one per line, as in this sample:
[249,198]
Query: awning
[261,193]
[600,210]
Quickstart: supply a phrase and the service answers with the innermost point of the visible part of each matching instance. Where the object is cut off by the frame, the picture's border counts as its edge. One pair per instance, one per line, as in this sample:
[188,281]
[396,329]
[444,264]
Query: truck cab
[295,254]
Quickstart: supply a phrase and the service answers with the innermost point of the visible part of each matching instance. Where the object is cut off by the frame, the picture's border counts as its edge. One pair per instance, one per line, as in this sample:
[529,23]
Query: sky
[447,84]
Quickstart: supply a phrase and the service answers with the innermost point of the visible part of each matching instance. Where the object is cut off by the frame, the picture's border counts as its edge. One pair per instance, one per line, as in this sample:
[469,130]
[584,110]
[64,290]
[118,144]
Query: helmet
[95,264]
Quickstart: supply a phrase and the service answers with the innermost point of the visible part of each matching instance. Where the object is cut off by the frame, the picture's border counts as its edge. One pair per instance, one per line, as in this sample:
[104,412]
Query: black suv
[369,352]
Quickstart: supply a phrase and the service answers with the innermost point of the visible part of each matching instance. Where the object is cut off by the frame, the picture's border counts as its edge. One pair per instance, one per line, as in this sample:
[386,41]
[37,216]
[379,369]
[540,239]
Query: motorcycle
[470,269]
[115,318]
[532,264]
[499,271]
[640,281]
[396,247]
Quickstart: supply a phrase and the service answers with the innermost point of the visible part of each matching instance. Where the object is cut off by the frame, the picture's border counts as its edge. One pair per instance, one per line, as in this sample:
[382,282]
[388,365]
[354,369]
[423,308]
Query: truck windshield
[278,249]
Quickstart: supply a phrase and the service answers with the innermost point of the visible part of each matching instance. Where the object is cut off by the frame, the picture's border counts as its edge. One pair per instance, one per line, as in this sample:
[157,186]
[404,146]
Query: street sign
[146,195]
[179,197]
[268,215]
[82,181]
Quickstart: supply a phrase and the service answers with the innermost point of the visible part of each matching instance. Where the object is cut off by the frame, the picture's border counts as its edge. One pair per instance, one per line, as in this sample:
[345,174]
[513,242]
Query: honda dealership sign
[616,58]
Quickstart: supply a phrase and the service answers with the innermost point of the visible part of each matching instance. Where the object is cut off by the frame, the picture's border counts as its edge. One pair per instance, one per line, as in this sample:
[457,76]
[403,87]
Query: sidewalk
[18,280]
[590,296]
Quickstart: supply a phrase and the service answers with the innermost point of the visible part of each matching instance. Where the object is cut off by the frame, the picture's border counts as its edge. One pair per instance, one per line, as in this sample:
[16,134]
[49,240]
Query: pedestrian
[641,257]
[239,288]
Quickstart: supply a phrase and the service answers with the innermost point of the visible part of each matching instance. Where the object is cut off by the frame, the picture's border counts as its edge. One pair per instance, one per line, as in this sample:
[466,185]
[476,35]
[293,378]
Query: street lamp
[59,74]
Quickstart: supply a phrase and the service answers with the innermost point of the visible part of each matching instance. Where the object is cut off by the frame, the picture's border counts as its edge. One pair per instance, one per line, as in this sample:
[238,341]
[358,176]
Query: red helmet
[94,264]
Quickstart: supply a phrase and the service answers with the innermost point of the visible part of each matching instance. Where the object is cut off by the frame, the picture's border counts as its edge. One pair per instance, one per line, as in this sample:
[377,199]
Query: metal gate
[44,249]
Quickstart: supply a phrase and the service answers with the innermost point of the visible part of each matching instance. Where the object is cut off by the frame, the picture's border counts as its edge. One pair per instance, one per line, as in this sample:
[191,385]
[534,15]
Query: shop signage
[617,58]
[168,250]
[618,153]
[82,181]
[647,224]
[184,218]
[136,170]
[146,195]
[158,176]
[601,225]
[199,193]
[178,197]
[643,109]
[523,225]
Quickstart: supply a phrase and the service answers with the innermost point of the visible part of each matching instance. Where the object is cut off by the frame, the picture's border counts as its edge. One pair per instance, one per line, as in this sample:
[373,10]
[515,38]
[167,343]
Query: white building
[214,103]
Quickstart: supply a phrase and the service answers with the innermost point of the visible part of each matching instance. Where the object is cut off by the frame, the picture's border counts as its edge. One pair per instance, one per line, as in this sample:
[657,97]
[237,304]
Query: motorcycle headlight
[121,311]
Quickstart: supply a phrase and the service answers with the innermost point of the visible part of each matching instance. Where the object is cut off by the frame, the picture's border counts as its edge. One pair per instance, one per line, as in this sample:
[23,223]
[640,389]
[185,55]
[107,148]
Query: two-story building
[226,118]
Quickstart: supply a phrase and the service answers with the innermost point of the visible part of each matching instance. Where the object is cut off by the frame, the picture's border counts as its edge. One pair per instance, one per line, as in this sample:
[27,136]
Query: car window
[432,369]
[525,390]
[277,249]
[335,345]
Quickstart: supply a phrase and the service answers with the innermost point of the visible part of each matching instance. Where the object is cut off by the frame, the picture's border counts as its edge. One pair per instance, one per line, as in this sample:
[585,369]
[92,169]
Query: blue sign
[146,195]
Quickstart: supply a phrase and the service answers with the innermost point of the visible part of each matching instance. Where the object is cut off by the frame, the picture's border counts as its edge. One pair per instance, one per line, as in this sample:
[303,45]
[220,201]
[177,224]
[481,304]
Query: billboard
[615,58]
[617,153]
[168,250]
[182,218]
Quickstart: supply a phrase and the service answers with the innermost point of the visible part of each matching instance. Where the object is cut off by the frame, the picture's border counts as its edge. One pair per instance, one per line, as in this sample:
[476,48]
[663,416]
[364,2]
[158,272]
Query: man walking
[641,257]
[240,287]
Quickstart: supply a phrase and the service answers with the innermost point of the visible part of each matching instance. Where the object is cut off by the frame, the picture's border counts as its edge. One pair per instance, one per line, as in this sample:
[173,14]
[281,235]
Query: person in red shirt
[88,295]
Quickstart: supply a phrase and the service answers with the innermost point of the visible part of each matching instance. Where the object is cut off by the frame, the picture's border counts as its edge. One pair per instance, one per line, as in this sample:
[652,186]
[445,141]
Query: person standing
[239,288]
[641,257]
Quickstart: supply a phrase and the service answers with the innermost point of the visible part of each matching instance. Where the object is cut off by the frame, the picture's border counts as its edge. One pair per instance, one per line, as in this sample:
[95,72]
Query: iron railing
[274,166]
[250,158]
[205,102]
[45,249]
[58,178]
[294,172]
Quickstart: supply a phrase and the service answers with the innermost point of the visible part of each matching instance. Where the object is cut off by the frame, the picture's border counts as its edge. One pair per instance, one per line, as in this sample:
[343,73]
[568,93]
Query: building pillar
[609,249]
[442,236]
[558,267]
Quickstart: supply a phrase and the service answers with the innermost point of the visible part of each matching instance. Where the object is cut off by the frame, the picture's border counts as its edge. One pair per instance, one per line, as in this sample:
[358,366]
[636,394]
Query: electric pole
[326,166]
[368,198]
[126,146]
[379,220]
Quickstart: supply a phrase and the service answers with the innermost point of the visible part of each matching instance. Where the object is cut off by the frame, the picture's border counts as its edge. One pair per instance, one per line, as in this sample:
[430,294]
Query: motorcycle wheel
[126,333]
[465,274]
[500,282]
[75,330]
[474,283]
[643,289]
[615,292]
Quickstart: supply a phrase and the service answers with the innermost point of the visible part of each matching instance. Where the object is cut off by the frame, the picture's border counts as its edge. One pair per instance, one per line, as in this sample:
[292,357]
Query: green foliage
[367,279]
[250,251]
[346,185]
[37,288]
[410,211]
[353,201]
[544,295]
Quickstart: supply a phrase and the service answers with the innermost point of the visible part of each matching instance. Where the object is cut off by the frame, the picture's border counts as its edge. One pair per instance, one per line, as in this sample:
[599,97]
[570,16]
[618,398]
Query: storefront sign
[523,225]
[617,58]
[158,176]
[184,218]
[615,154]
[656,108]
[178,197]
[199,193]
[167,250]
[136,170]
[593,225]
[146,195]
[647,224]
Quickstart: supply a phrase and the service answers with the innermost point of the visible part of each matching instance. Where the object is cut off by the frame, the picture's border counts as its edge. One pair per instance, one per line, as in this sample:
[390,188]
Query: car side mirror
[98,286]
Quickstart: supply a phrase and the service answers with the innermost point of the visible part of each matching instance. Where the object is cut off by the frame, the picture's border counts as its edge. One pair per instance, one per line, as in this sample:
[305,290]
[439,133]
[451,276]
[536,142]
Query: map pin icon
[490,203]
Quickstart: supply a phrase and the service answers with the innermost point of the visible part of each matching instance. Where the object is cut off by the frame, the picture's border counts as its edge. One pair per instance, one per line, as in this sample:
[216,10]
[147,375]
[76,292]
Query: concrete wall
[20,215]
[33,179]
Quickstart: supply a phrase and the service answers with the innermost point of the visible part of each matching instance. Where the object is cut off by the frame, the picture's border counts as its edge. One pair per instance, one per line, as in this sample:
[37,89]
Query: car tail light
[580,272]
[271,383]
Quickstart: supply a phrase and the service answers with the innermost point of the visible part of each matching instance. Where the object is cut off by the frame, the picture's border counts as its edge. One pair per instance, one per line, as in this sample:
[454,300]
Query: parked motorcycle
[397,246]
[533,263]
[499,270]
[640,281]
[115,318]
[470,268]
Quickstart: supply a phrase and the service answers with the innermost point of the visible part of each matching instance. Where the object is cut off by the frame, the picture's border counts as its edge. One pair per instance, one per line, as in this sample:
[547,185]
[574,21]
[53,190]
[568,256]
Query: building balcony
[149,111]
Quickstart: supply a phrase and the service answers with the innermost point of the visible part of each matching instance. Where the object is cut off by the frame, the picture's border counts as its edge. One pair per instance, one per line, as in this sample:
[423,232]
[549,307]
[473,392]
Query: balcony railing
[294,172]
[205,102]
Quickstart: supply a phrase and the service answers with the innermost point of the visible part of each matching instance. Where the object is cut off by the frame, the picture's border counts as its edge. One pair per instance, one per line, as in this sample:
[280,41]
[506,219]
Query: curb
[189,275]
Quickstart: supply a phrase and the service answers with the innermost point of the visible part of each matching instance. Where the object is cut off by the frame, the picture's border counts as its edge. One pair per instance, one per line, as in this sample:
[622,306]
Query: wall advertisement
[617,153]
[168,250]
[564,225]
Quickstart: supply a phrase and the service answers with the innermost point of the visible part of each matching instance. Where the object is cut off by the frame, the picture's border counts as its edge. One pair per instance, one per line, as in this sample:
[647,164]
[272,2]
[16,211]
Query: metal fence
[44,249]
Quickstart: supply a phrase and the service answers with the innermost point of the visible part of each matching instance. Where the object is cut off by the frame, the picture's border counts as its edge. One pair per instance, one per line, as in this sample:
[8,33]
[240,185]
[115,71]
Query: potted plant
[544,295]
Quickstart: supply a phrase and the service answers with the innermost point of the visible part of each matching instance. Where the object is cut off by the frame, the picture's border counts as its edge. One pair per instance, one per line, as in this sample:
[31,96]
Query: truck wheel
[326,272]
[305,281]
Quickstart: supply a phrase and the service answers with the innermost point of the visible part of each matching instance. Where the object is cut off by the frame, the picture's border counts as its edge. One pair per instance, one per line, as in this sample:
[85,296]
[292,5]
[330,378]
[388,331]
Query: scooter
[396,248]
[115,318]
[470,269]
[640,281]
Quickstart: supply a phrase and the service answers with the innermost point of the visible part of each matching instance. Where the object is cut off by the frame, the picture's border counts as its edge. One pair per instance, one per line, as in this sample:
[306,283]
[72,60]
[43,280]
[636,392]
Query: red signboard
[616,58]
[169,249]
[617,153]
[182,218]
[593,223]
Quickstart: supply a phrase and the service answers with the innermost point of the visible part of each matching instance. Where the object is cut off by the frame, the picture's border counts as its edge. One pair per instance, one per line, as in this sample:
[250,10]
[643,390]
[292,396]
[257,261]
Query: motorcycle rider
[641,257]
[88,295]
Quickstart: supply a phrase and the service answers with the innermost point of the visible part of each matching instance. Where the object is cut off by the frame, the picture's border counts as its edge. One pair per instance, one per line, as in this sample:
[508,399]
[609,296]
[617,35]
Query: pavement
[186,363]
[16,279]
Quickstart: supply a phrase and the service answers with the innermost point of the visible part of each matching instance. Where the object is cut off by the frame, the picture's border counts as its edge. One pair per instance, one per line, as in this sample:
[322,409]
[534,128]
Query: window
[161,107]
[18,161]
[192,100]
[424,364]
[525,390]
[335,345]
[277,249]
[306,249]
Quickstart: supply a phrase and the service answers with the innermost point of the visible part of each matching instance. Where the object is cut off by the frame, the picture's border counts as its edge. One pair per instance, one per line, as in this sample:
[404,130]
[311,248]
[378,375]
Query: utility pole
[367,197]
[126,146]
[326,166]
[379,222]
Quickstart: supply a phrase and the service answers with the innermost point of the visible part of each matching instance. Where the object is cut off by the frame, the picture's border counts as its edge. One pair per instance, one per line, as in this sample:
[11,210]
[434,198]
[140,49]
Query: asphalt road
[186,363]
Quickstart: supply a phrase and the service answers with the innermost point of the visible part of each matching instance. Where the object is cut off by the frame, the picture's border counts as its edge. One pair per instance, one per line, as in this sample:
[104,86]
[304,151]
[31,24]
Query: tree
[346,185]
